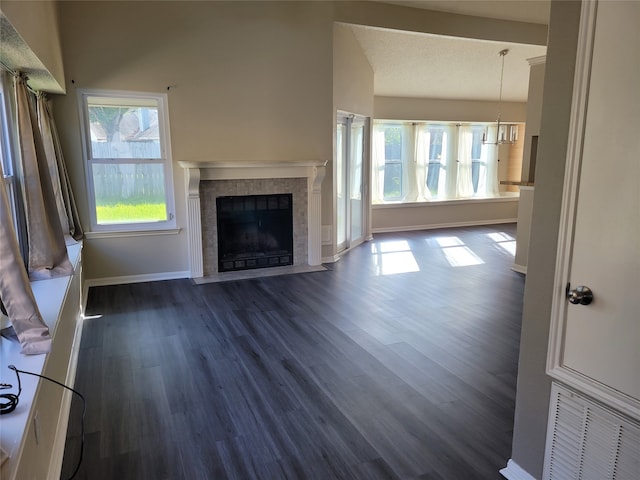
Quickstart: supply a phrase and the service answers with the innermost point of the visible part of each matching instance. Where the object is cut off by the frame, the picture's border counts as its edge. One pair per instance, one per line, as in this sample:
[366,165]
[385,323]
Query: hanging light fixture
[505,133]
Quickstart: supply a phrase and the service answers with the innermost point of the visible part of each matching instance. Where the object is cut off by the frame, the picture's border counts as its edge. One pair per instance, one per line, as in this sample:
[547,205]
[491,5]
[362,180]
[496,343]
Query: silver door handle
[580,295]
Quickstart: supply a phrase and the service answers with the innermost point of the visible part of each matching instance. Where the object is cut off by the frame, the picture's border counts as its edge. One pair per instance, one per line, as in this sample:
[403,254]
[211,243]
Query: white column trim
[314,206]
[194,222]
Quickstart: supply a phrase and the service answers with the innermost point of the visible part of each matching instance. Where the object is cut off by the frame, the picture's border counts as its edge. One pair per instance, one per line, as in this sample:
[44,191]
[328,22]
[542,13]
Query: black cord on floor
[12,403]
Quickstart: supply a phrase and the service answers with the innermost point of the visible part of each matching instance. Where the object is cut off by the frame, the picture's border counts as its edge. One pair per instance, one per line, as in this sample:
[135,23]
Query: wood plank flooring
[351,373]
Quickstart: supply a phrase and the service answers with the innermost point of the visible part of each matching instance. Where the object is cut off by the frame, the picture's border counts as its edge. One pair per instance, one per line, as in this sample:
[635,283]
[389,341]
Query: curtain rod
[7,68]
[16,73]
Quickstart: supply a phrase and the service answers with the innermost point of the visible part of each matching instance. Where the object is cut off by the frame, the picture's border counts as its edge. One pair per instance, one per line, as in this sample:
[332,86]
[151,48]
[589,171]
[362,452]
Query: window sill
[505,197]
[132,233]
[50,296]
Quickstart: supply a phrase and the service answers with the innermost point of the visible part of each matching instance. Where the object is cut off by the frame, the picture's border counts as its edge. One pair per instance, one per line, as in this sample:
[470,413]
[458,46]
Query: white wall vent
[586,441]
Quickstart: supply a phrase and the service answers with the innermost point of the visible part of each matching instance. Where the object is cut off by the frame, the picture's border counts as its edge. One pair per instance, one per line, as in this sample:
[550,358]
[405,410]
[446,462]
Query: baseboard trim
[519,268]
[409,228]
[147,277]
[513,471]
[331,259]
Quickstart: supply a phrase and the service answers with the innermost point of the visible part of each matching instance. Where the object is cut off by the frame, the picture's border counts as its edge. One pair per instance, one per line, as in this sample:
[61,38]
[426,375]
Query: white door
[596,346]
[349,180]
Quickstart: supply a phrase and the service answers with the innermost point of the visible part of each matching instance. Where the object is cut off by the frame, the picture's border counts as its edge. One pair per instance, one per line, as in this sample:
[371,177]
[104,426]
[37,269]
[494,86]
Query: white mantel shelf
[196,171]
[225,170]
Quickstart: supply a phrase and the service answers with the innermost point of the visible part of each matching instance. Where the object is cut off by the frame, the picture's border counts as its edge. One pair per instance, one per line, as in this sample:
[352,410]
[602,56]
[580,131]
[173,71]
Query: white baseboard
[432,226]
[519,268]
[513,471]
[331,259]
[147,277]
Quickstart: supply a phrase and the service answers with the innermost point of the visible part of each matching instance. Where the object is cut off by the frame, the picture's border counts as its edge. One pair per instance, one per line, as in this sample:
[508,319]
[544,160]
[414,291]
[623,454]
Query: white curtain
[377,164]
[447,178]
[409,186]
[488,184]
[465,180]
[423,137]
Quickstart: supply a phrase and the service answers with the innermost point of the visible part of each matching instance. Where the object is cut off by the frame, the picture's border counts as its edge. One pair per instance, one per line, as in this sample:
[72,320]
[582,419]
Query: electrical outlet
[36,428]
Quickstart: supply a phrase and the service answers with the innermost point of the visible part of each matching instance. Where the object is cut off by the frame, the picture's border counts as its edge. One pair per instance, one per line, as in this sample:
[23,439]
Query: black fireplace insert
[254,231]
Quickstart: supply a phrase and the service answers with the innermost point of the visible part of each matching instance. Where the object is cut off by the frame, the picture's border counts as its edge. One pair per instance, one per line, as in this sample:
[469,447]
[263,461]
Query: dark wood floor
[343,374]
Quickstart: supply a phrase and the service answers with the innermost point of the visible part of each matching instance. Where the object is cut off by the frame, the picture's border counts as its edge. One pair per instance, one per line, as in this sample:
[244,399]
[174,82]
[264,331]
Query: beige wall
[513,168]
[532,398]
[37,23]
[396,218]
[534,112]
[403,108]
[247,81]
[352,74]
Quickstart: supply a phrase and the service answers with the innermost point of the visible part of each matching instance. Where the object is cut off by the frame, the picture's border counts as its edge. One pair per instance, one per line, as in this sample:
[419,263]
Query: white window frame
[165,159]
[7,154]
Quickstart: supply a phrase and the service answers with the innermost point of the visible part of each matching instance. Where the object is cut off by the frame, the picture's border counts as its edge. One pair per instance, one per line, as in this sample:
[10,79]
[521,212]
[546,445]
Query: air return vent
[586,441]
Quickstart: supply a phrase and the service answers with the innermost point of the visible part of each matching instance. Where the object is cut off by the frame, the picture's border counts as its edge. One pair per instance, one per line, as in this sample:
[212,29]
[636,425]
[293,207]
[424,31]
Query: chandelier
[505,133]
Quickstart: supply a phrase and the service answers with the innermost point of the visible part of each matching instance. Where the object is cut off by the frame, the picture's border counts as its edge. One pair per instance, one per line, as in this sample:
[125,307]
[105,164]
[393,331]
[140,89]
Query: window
[126,146]
[392,162]
[7,158]
[431,161]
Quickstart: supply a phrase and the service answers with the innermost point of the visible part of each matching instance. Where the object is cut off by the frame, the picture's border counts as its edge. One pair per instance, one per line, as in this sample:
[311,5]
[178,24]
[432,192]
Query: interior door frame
[555,365]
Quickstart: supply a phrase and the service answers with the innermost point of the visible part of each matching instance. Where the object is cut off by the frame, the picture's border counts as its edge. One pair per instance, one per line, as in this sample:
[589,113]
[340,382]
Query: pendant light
[505,133]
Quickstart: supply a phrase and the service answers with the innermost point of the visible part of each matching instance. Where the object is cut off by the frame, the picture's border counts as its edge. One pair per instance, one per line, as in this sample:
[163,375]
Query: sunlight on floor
[449,241]
[456,253]
[504,241]
[461,257]
[500,236]
[390,258]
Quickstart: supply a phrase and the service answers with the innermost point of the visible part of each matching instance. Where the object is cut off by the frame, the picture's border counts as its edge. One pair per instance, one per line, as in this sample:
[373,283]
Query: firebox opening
[254,231]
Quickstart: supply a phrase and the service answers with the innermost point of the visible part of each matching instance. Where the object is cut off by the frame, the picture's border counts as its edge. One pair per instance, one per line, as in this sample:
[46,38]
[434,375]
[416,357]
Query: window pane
[435,143]
[129,193]
[393,143]
[392,180]
[475,174]
[393,162]
[123,128]
[433,177]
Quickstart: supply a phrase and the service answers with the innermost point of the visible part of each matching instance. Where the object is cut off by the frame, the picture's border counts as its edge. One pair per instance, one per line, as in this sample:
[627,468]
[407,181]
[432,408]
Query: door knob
[580,295]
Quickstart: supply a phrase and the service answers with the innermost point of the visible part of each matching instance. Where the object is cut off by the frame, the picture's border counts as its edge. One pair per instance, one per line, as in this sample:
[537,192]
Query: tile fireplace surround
[207,179]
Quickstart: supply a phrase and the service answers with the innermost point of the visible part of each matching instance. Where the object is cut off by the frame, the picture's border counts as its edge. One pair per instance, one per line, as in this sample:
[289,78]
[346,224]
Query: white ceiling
[408,64]
[432,66]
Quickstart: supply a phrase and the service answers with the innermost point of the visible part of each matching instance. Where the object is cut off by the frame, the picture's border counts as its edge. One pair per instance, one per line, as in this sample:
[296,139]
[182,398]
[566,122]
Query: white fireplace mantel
[196,171]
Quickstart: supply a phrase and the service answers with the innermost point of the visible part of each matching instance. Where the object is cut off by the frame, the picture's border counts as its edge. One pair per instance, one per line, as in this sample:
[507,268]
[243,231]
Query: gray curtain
[65,202]
[47,256]
[15,288]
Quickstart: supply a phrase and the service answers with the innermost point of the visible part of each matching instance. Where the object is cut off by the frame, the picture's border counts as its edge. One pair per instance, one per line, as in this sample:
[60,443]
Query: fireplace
[254,231]
[208,180]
